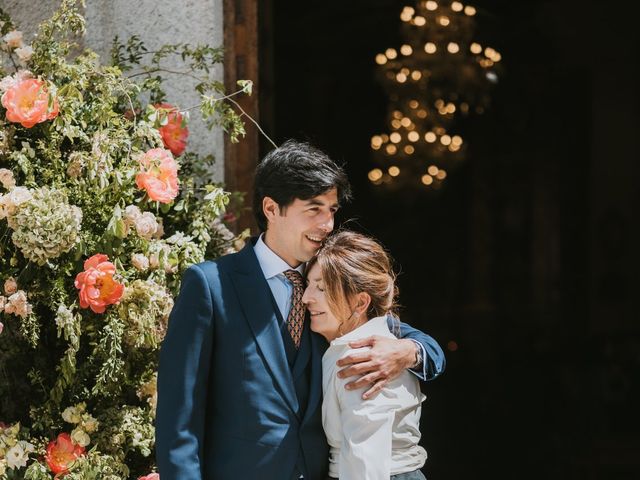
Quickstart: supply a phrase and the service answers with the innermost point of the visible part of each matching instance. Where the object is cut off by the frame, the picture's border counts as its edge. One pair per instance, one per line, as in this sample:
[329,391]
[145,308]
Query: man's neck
[271,245]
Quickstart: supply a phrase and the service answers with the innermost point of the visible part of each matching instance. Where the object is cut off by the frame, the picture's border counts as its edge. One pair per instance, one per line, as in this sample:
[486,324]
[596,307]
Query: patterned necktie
[295,320]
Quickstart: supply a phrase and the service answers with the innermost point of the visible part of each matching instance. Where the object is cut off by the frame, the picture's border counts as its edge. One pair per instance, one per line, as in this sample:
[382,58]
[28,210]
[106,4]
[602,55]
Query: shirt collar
[375,326]
[270,263]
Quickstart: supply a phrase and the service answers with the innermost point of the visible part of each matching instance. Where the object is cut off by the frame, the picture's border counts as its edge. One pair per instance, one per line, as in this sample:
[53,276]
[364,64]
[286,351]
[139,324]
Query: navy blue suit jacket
[226,398]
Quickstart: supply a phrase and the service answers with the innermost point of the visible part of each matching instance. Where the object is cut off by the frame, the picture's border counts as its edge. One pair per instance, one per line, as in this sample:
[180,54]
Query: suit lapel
[255,301]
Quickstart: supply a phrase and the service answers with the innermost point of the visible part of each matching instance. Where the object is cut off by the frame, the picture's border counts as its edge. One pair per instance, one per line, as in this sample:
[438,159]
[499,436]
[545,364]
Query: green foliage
[69,190]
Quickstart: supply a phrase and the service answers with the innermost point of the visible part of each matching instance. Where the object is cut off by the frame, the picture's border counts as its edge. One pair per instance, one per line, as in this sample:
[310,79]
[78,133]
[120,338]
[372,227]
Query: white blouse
[375,438]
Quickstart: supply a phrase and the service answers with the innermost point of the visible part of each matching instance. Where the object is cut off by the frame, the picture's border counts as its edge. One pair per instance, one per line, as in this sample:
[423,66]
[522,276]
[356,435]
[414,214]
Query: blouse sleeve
[365,453]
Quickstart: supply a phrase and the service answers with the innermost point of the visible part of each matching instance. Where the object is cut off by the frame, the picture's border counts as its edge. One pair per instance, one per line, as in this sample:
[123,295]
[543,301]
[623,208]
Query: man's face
[296,232]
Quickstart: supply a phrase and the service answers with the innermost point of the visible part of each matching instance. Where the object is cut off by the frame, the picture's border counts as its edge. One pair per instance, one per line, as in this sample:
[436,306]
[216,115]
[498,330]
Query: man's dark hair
[296,170]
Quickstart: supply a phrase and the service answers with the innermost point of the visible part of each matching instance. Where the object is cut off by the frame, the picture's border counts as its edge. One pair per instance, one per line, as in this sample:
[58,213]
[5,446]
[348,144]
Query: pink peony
[174,134]
[96,284]
[151,476]
[27,103]
[158,175]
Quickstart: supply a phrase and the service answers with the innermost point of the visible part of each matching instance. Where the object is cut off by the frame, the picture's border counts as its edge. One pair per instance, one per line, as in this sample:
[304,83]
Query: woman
[351,295]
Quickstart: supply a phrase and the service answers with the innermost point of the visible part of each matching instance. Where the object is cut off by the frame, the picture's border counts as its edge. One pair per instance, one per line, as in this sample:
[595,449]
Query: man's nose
[327,223]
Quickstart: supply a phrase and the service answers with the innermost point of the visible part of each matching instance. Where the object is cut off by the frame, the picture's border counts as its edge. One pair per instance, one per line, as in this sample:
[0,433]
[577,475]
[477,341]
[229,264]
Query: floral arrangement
[102,207]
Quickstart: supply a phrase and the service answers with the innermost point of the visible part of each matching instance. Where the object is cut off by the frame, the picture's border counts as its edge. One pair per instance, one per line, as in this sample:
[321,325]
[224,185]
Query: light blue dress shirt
[272,266]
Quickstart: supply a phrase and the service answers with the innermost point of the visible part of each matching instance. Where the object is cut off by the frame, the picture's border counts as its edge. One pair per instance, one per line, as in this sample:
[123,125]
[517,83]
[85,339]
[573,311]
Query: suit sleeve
[433,361]
[185,357]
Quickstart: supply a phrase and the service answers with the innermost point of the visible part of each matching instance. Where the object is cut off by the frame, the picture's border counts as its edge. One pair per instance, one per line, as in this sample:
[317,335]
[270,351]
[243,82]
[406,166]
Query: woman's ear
[361,304]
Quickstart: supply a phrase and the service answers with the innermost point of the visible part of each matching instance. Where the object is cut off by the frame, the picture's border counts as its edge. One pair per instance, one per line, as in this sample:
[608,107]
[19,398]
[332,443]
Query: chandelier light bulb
[405,122]
[430,47]
[445,140]
[422,113]
[414,104]
[413,136]
[394,171]
[469,10]
[433,170]
[444,21]
[381,59]
[427,179]
[456,140]
[391,53]
[375,175]
[475,48]
[430,137]
[431,5]
[419,21]
[395,137]
[401,77]
[441,175]
[406,50]
[409,149]
[391,149]
[453,47]
[376,141]
[416,75]
[456,6]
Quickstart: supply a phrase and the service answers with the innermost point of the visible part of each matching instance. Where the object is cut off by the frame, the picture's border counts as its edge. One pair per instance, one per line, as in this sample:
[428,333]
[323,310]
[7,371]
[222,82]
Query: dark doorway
[523,267]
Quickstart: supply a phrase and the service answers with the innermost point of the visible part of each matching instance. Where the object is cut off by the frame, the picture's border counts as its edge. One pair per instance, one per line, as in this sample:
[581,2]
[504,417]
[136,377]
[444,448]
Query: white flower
[64,318]
[140,261]
[6,178]
[24,53]
[3,302]
[131,214]
[12,200]
[18,455]
[146,225]
[89,424]
[10,80]
[80,437]
[18,304]
[10,286]
[13,39]
[74,414]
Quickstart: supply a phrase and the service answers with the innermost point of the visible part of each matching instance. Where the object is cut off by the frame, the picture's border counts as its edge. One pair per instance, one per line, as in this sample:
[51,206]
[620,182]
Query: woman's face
[323,320]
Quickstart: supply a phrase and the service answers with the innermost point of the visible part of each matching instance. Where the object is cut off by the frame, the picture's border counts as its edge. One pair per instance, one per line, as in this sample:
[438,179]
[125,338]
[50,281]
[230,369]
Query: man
[239,382]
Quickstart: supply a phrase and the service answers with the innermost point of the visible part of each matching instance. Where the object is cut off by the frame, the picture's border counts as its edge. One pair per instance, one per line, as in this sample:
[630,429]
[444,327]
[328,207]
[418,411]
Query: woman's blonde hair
[351,263]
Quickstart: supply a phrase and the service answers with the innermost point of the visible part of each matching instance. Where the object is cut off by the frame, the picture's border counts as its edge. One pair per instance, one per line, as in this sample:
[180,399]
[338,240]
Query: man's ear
[270,208]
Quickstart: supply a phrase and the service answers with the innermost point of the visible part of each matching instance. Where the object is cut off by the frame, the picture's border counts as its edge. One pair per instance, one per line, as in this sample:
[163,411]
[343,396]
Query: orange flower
[158,175]
[27,103]
[174,134]
[61,453]
[96,284]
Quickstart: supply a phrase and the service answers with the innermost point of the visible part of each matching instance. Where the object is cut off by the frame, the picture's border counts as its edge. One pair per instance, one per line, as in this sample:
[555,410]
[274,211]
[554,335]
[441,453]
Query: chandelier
[438,75]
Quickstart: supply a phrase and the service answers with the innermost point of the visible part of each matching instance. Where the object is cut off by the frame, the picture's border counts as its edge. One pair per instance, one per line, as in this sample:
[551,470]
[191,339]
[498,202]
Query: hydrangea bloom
[44,226]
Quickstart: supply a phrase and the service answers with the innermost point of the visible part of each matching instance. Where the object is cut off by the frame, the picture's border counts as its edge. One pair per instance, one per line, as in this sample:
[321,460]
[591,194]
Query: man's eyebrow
[313,201]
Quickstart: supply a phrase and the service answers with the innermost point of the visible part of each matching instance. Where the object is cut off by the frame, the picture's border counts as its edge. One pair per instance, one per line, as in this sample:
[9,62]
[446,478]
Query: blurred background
[521,262]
